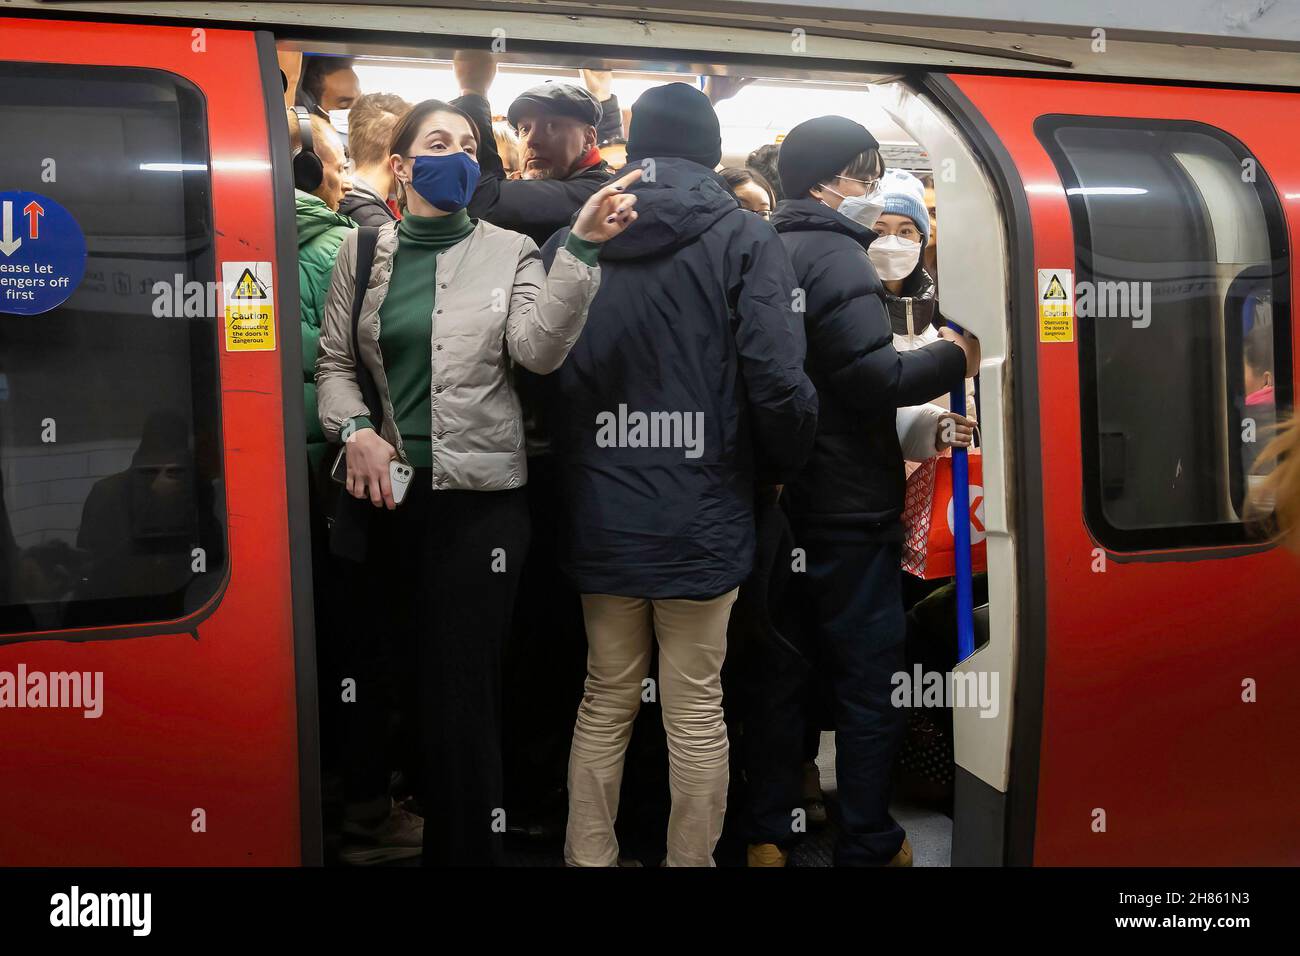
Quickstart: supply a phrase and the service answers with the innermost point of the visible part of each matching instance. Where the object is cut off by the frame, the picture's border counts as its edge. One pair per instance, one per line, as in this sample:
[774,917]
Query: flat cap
[564,99]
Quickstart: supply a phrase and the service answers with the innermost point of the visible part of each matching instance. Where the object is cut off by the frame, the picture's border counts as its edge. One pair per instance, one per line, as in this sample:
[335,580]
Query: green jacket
[320,233]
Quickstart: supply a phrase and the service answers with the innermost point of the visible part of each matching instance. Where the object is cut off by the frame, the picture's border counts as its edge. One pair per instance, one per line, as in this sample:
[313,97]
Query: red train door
[149,672]
[1157,343]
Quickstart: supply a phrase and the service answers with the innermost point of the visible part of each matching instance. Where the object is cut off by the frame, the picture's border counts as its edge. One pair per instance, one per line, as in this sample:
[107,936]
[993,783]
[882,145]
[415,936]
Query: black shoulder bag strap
[350,529]
[367,242]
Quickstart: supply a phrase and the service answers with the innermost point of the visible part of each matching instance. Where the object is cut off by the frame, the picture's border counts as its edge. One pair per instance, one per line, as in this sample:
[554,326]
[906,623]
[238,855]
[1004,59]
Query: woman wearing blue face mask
[421,374]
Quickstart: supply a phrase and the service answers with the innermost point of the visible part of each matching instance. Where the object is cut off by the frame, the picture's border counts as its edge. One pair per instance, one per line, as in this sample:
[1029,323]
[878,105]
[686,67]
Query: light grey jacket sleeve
[338,397]
[548,310]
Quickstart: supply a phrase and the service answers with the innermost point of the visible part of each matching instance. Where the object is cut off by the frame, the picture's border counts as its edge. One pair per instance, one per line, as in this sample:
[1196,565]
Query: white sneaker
[399,836]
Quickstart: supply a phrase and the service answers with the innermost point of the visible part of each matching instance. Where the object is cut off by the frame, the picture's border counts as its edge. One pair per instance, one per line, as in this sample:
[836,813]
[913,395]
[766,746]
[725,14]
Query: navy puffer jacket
[693,319]
[855,475]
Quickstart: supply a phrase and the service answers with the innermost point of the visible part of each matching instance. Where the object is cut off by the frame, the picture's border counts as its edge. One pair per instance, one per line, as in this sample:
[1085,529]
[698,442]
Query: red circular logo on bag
[976,515]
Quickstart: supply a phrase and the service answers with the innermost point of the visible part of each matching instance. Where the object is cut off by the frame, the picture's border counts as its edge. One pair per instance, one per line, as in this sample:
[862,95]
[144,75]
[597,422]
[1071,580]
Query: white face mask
[894,257]
[864,210]
[339,120]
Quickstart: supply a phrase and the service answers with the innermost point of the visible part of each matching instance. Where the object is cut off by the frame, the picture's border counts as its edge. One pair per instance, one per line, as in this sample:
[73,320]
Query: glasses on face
[871,184]
[762,213]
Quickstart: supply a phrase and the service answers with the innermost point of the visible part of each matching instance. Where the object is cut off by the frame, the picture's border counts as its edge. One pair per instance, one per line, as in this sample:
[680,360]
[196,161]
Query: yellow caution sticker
[247,287]
[1055,305]
[249,297]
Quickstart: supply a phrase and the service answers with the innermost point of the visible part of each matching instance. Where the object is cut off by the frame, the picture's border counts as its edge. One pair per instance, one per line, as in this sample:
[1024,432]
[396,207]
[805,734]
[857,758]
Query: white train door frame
[974,293]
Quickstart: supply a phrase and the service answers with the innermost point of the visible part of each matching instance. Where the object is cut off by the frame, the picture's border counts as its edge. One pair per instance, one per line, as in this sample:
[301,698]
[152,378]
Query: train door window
[1183,317]
[112,507]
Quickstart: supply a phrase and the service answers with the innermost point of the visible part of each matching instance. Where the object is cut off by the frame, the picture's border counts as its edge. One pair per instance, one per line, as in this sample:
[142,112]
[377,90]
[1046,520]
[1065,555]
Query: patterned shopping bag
[928,544]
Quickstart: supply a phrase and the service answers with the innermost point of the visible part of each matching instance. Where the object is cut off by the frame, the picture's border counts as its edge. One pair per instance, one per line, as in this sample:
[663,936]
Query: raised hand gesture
[609,211]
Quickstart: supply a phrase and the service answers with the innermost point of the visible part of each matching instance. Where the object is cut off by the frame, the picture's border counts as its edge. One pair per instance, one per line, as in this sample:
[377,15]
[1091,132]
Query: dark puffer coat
[855,475]
[693,319]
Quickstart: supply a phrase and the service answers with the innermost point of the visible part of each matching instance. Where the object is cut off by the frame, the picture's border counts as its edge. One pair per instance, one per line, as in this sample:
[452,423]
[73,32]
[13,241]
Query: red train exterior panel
[207,724]
[1143,714]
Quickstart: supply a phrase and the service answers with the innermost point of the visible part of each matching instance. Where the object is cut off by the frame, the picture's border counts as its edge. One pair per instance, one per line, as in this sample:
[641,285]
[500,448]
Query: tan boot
[767,854]
[903,857]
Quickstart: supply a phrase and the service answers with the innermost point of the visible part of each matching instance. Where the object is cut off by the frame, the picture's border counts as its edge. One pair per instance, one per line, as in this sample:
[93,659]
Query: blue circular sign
[42,253]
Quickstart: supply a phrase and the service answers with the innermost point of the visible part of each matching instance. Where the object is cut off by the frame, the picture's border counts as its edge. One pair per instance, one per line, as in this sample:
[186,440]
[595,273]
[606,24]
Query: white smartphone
[399,474]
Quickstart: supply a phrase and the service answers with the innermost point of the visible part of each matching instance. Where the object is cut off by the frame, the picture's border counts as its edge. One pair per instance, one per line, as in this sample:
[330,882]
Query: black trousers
[444,567]
[545,664]
[354,720]
[766,681]
[854,611]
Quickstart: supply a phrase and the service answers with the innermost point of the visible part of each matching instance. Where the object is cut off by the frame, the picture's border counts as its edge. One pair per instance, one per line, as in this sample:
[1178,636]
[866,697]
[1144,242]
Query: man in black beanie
[819,151]
[846,506]
[675,120]
[685,389]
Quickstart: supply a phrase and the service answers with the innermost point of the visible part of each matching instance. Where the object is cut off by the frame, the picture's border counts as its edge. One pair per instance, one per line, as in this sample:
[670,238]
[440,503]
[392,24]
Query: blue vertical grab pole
[961,530]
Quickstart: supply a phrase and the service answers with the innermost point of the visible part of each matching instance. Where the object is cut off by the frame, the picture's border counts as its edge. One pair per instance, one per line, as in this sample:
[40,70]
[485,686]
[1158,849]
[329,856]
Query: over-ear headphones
[308,170]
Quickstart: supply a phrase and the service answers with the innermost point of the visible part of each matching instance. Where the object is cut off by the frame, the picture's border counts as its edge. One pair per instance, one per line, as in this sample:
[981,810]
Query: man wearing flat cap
[561,167]
[558,131]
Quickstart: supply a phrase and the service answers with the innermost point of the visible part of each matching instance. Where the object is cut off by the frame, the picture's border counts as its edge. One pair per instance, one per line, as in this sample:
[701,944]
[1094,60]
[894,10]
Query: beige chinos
[692,638]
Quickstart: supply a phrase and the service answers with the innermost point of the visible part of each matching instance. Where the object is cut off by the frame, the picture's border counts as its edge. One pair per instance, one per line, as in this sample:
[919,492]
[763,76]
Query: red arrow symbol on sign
[975,521]
[33,211]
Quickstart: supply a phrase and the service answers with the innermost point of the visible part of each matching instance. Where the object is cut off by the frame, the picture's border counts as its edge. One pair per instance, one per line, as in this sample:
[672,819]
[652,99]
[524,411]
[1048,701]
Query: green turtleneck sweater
[406,322]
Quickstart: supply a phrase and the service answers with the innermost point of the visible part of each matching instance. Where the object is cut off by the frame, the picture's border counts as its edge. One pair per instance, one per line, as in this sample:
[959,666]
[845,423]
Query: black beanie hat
[817,149]
[675,120]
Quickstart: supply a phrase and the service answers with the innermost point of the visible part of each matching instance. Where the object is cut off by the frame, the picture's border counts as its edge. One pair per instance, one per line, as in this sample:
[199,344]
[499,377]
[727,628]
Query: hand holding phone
[366,466]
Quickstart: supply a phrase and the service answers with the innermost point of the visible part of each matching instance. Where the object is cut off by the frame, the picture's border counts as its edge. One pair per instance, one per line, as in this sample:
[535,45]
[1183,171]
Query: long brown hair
[735,176]
[1279,491]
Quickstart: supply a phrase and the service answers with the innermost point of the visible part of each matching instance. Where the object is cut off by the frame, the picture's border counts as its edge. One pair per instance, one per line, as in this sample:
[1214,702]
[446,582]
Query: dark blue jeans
[853,609]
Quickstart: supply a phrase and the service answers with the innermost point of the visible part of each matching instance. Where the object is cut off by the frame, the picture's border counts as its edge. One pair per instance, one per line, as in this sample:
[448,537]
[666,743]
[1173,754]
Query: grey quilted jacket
[495,303]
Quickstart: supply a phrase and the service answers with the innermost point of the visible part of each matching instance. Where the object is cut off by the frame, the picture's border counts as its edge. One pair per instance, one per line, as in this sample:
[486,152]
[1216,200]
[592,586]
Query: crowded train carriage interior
[753,113]
[1079,655]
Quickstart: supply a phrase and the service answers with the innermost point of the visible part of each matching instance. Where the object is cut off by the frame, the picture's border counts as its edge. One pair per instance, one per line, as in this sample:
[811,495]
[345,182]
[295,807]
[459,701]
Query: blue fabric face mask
[446,182]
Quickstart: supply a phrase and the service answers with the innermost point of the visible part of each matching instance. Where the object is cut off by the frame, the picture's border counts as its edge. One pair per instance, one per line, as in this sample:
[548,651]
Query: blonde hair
[507,146]
[1276,500]
[321,130]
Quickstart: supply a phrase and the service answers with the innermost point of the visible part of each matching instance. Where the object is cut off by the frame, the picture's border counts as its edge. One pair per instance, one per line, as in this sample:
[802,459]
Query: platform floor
[929,832]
